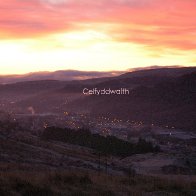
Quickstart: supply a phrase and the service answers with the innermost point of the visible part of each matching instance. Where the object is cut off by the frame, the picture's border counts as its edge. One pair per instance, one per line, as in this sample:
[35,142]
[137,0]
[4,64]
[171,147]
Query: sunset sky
[102,35]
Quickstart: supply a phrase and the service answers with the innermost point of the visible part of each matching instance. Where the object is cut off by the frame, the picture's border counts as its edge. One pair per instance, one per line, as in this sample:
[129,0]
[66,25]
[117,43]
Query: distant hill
[131,80]
[31,86]
[164,96]
[63,75]
[94,76]
[170,102]
[160,72]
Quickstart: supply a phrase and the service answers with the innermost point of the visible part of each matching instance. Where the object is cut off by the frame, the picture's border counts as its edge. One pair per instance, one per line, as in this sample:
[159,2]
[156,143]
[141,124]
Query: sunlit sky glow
[104,35]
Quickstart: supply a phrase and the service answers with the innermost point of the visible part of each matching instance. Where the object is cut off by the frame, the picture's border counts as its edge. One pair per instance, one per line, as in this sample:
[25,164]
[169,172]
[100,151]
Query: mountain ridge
[161,99]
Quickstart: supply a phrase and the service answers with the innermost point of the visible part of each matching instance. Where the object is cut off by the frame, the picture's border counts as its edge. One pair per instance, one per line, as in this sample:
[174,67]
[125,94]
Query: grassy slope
[82,183]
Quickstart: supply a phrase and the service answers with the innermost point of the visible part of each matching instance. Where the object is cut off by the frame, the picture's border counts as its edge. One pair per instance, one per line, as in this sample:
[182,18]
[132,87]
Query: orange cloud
[154,23]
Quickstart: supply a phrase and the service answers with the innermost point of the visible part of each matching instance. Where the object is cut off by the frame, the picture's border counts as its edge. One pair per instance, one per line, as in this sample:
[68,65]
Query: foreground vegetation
[82,183]
[106,145]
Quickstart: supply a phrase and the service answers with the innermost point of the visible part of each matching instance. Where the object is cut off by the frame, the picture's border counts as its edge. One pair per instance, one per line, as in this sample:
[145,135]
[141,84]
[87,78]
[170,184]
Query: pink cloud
[150,22]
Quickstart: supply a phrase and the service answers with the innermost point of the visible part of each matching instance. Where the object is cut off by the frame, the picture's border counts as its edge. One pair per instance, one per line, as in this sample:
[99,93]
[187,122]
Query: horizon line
[97,71]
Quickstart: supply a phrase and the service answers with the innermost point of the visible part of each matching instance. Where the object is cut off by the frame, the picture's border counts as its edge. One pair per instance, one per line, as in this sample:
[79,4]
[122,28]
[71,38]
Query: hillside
[64,75]
[56,141]
[160,72]
[163,96]
[170,102]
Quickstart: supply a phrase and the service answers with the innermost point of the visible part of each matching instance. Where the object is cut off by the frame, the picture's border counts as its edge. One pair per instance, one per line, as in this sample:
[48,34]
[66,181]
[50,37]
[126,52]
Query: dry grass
[83,183]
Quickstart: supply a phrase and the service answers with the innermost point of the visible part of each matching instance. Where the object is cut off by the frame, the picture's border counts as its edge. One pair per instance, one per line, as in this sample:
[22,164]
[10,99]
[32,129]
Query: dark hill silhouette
[168,103]
[163,96]
[63,75]
[31,86]
[131,80]
[160,72]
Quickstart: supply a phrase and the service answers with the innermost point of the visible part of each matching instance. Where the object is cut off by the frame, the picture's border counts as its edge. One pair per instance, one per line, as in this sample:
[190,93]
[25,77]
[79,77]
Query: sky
[102,35]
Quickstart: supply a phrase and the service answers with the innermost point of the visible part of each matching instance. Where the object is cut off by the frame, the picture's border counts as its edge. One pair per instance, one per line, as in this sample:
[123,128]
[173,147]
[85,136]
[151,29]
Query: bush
[109,145]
